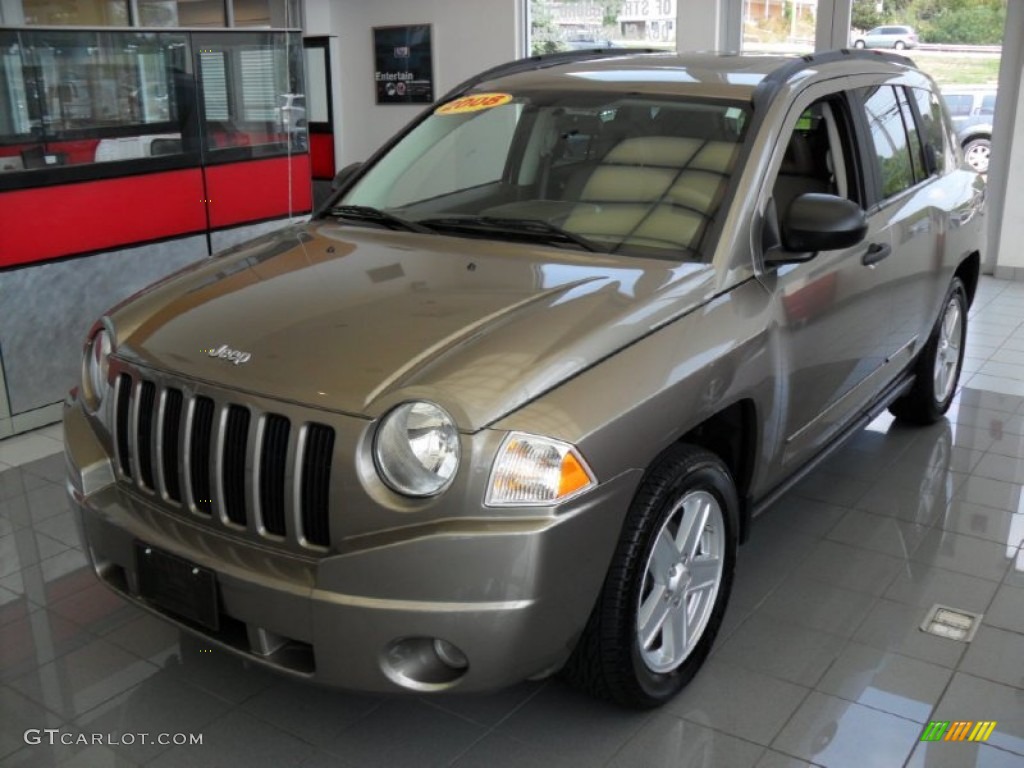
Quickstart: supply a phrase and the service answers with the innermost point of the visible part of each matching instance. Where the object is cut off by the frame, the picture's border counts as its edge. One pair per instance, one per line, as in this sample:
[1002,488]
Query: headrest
[799,157]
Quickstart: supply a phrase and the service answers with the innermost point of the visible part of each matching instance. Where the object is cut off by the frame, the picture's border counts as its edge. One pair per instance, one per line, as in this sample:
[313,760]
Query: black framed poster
[403,64]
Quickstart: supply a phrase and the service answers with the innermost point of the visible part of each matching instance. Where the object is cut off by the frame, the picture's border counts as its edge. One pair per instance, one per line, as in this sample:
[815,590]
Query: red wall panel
[49,222]
[257,189]
[321,152]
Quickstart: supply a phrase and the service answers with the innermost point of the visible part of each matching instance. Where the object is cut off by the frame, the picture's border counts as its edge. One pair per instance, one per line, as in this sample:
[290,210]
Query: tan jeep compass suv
[508,403]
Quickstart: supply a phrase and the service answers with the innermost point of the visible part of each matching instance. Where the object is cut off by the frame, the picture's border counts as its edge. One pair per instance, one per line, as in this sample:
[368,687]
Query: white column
[833,24]
[1006,200]
[11,14]
[709,25]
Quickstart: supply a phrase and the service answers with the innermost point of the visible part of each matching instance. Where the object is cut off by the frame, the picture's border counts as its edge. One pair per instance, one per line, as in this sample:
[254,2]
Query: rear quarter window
[933,130]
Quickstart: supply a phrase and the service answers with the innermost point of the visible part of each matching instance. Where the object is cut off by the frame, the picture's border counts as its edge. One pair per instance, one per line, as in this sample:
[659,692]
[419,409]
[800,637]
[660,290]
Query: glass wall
[565,25]
[278,14]
[252,91]
[779,26]
[77,98]
[172,13]
[960,45]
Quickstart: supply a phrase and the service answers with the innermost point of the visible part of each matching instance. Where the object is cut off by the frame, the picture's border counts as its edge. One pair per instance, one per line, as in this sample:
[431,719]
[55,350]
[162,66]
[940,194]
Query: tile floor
[820,661]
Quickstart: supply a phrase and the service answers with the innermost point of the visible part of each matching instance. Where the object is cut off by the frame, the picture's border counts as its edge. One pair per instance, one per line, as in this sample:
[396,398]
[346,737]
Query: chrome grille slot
[124,410]
[236,436]
[170,441]
[144,436]
[273,459]
[199,454]
[316,481]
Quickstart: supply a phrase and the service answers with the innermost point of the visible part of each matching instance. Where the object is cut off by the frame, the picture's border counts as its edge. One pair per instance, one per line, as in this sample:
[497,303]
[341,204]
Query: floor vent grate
[951,623]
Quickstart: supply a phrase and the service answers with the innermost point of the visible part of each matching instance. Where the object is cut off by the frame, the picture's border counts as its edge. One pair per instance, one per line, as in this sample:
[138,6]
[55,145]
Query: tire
[977,153]
[687,485]
[900,45]
[938,367]
[859,44]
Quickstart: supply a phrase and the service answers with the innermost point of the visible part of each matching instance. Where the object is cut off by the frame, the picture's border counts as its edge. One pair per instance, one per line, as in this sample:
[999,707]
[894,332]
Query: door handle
[875,253]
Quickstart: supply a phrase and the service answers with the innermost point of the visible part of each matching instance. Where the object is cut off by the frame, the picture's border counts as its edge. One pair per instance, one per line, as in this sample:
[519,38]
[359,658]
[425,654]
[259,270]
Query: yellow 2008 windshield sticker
[473,103]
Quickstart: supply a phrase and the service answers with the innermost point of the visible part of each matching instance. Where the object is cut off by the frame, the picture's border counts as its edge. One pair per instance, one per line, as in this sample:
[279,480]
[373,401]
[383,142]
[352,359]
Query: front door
[832,312]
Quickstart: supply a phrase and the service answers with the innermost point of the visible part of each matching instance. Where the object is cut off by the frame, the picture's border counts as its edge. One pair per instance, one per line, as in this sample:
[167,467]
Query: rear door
[907,160]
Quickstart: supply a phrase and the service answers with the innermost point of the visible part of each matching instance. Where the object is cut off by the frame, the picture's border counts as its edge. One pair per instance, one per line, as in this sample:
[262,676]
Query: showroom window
[572,25]
[184,13]
[81,13]
[277,14]
[779,26]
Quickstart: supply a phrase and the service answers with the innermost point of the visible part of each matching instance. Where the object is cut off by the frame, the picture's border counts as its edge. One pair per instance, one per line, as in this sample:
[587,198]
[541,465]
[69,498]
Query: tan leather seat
[653,190]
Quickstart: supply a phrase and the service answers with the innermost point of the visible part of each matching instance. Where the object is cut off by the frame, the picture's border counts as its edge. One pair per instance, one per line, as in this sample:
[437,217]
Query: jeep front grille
[226,463]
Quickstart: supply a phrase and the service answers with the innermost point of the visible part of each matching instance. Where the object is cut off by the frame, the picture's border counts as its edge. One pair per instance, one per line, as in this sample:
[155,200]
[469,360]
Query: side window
[933,131]
[889,137]
[817,157]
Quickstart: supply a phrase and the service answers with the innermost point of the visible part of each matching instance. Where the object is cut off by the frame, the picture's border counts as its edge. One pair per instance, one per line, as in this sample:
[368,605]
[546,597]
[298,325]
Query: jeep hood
[356,320]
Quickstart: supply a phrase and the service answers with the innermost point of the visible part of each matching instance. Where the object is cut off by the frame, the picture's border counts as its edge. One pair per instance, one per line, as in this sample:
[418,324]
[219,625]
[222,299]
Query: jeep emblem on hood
[225,352]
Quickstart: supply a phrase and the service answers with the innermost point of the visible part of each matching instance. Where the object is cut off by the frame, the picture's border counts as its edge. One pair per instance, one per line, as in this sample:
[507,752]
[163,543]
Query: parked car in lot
[897,37]
[972,109]
[508,404]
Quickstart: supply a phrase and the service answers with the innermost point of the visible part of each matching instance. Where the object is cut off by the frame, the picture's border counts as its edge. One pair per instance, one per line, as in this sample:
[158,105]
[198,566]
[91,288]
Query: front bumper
[512,596]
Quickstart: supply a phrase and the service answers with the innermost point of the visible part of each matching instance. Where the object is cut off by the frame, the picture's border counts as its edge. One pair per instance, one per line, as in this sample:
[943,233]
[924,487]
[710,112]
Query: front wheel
[667,587]
[859,44]
[938,366]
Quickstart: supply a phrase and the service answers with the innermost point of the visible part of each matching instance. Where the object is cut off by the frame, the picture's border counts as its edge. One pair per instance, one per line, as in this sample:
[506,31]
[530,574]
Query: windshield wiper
[534,229]
[377,216]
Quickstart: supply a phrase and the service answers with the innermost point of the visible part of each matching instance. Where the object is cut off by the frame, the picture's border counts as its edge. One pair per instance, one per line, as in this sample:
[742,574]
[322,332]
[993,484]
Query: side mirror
[346,173]
[817,222]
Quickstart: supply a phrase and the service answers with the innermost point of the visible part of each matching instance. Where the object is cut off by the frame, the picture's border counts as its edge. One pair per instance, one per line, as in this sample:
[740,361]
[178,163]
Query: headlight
[97,360]
[536,470]
[417,449]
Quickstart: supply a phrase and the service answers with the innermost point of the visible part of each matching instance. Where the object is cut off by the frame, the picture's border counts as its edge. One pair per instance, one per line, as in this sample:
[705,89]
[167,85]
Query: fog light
[424,663]
[449,654]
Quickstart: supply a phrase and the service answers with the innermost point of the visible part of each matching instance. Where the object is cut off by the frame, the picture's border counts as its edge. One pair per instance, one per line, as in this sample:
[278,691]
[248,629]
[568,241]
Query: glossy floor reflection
[820,661]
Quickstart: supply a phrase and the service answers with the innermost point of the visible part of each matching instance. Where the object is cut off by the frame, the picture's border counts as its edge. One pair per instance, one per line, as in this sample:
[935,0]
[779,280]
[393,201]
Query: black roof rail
[542,61]
[774,80]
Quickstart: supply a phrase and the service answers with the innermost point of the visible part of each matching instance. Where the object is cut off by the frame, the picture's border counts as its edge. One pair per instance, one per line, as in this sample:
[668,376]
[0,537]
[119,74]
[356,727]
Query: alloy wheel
[947,356]
[681,581]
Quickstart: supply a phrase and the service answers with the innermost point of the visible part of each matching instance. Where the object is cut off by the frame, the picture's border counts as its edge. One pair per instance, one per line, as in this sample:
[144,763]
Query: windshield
[616,173]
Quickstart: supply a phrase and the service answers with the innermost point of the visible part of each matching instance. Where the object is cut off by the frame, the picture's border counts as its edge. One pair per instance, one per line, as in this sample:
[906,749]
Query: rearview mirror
[818,222]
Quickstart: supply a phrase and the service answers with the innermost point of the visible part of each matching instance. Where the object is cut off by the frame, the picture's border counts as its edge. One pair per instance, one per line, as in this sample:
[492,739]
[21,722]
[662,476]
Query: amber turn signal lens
[574,476]
[534,470]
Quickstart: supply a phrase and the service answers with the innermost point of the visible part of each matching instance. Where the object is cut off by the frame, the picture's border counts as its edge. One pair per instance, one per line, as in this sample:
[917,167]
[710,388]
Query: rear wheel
[668,585]
[900,45]
[938,366]
[977,153]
